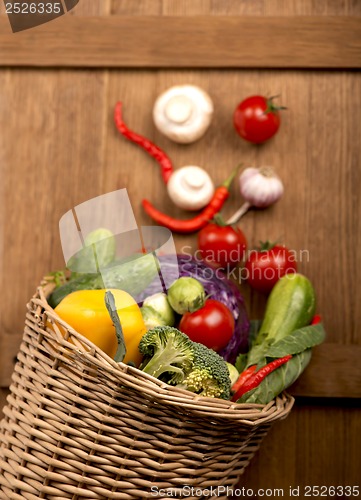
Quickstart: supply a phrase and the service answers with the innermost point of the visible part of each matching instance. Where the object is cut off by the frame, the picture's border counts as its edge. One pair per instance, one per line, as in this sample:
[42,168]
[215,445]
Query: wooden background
[59,147]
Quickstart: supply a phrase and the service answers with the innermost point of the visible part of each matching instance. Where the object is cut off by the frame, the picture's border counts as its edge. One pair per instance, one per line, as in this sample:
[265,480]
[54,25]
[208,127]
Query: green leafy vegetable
[293,343]
[278,380]
[297,341]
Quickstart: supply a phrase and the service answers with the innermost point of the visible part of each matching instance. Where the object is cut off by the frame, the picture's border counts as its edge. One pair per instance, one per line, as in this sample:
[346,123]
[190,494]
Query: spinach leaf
[294,343]
[241,362]
[297,341]
[278,380]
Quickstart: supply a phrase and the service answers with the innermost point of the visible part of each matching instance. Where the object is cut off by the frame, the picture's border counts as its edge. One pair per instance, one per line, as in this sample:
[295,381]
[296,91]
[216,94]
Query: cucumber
[98,252]
[132,275]
[81,282]
[291,305]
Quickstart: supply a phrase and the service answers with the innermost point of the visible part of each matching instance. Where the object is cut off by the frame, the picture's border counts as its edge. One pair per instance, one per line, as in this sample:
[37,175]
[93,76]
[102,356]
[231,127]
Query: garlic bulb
[190,188]
[260,187]
[183,113]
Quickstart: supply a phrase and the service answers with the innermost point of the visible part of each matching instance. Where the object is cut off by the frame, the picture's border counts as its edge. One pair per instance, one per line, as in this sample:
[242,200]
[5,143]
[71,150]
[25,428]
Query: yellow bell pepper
[86,312]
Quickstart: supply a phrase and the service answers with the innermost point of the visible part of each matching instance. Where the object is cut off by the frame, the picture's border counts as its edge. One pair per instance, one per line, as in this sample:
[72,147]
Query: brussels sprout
[186,295]
[233,373]
[156,311]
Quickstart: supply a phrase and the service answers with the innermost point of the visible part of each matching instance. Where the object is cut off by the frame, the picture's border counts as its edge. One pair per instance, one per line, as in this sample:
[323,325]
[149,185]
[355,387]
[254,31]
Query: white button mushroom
[190,188]
[183,113]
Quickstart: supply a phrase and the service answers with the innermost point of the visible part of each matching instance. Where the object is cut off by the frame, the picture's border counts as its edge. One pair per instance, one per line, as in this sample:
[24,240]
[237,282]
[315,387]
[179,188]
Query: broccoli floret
[168,354]
[172,357]
[209,375]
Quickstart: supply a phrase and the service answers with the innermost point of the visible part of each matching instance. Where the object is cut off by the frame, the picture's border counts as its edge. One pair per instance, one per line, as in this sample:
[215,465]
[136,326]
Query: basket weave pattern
[80,426]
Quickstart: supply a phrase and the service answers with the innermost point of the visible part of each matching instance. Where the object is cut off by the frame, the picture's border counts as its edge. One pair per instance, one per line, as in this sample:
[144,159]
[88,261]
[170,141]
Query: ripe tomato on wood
[211,325]
[221,245]
[266,266]
[257,118]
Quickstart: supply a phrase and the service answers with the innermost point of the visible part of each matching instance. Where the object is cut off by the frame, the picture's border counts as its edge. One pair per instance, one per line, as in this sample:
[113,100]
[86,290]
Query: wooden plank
[235,8]
[315,445]
[327,376]
[42,183]
[197,41]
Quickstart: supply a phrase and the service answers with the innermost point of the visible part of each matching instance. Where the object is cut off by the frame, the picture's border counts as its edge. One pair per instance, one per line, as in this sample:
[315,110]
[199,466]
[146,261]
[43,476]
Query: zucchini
[132,275]
[291,305]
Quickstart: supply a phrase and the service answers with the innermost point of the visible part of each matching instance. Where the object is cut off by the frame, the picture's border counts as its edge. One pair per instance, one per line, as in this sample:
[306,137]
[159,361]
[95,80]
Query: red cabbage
[216,285]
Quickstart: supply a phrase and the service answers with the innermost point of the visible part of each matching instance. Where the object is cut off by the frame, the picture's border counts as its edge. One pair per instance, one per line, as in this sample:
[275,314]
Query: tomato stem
[264,246]
[271,107]
[219,220]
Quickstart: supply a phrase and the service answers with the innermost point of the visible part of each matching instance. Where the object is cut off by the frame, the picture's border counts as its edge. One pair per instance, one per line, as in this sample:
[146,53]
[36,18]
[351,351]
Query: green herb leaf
[257,353]
[297,341]
[278,381]
[241,362]
[112,310]
[294,343]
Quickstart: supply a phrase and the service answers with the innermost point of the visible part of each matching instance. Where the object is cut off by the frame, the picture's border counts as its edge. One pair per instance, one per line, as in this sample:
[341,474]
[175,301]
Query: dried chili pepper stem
[196,223]
[254,380]
[157,153]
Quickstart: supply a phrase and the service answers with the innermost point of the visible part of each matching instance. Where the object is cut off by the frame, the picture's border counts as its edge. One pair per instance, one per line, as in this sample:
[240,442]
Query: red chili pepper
[254,381]
[245,375]
[316,319]
[154,151]
[196,223]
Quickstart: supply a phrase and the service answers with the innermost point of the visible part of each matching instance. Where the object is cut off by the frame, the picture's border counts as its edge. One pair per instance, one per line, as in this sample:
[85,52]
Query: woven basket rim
[85,351]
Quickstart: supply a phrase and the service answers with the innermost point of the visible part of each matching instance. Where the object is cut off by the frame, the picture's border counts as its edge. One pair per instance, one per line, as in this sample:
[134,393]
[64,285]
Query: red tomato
[221,245]
[257,119]
[264,268]
[211,325]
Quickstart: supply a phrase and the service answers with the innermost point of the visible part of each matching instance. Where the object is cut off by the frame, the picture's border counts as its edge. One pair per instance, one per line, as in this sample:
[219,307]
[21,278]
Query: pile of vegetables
[218,288]
[281,347]
[196,334]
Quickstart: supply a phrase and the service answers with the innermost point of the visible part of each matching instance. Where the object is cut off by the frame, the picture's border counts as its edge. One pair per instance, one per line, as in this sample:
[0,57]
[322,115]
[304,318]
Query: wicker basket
[78,425]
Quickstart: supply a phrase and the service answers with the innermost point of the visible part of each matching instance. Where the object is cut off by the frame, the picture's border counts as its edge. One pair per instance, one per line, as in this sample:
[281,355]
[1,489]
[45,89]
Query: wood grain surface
[198,41]
[58,147]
